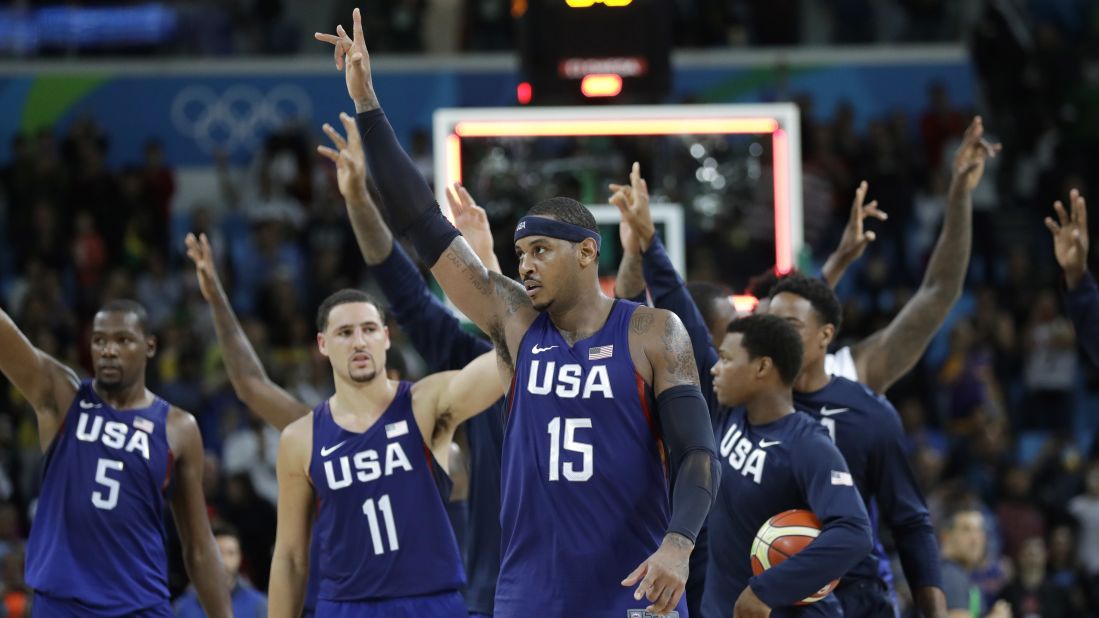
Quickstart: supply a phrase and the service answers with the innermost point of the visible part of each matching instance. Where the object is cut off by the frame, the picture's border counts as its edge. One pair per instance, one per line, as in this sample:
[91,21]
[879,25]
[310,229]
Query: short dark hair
[773,337]
[222,528]
[343,297]
[704,294]
[566,210]
[817,292]
[125,305]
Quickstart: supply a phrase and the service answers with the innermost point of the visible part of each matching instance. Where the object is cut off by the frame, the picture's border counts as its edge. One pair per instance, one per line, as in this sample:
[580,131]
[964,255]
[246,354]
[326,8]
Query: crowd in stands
[1000,413]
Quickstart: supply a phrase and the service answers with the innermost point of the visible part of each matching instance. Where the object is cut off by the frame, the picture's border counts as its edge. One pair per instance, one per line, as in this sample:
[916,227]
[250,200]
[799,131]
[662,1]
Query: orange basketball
[783,536]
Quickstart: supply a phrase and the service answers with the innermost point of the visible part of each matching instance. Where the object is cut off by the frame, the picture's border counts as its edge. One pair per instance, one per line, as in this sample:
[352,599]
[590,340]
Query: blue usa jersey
[786,464]
[584,487]
[382,527]
[98,533]
[867,430]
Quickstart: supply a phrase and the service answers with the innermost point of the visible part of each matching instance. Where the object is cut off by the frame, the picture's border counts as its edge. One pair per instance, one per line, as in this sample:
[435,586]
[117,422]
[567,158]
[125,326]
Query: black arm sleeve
[689,437]
[412,208]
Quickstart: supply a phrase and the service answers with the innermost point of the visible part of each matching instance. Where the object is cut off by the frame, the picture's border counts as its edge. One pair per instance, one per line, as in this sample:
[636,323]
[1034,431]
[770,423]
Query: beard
[361,376]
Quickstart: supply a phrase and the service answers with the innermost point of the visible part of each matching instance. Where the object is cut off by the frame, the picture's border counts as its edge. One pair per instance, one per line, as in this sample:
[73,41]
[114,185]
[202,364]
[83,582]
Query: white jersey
[841,364]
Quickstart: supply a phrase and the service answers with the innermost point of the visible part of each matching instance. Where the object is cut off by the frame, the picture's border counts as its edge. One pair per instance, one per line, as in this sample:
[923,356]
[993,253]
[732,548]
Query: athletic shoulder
[299,432]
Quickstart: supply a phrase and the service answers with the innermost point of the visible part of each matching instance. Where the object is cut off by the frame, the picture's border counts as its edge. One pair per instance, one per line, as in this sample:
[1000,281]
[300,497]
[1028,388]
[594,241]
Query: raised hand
[632,201]
[663,575]
[198,249]
[1070,237]
[969,161]
[855,237]
[353,59]
[472,221]
[349,159]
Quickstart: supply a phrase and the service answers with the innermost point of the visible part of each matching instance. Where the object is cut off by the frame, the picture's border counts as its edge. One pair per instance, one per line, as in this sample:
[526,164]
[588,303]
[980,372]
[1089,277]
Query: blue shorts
[44,606]
[865,597]
[442,605]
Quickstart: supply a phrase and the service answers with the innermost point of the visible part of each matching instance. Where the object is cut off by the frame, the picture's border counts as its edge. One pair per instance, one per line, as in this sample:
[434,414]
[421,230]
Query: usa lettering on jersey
[743,456]
[112,434]
[366,464]
[568,380]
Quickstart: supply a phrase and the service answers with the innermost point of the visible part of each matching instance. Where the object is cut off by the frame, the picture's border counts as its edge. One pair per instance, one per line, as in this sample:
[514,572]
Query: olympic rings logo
[238,117]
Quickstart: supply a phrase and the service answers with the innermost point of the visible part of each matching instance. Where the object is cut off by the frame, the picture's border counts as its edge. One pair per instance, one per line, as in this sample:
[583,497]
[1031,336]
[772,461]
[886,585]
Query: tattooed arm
[884,357]
[687,433]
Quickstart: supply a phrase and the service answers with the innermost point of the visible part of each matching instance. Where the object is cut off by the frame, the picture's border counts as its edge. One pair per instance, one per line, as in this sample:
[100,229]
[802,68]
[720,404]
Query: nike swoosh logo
[326,451]
[88,406]
[826,412]
[538,350]
[765,443]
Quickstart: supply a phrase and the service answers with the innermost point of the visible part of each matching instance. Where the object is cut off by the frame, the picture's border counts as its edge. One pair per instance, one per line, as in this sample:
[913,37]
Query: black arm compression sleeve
[406,196]
[689,436]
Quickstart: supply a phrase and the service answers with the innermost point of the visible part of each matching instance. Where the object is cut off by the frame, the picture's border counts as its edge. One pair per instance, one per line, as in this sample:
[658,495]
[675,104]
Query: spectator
[1033,594]
[247,601]
[1085,508]
[963,545]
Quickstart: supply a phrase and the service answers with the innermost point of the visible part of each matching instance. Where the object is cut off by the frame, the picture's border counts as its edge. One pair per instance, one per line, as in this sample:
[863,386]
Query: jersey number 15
[568,468]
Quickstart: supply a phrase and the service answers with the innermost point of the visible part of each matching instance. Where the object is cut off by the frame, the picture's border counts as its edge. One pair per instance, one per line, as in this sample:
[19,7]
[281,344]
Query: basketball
[781,537]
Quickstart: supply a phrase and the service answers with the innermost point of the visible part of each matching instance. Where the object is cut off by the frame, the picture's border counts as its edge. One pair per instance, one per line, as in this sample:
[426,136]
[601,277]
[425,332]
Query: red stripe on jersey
[511,397]
[168,470]
[430,459]
[653,427]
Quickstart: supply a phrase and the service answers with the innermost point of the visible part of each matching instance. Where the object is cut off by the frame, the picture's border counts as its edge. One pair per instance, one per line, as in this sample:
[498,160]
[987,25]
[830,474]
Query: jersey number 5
[556,468]
[109,500]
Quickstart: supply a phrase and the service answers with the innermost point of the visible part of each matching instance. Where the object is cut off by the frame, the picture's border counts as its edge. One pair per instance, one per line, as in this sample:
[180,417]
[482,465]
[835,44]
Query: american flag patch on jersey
[394,430]
[600,352]
[143,424]
[842,478]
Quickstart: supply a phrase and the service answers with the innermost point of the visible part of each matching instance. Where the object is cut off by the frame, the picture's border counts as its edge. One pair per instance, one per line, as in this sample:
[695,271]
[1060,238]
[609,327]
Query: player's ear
[765,365]
[828,333]
[322,345]
[150,346]
[587,252]
[387,340]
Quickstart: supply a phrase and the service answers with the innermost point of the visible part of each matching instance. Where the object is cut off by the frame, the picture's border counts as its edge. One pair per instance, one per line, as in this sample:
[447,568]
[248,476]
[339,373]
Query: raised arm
[665,284]
[445,400]
[855,238]
[290,561]
[884,357]
[250,382]
[685,427]
[1070,246]
[498,305]
[200,552]
[43,381]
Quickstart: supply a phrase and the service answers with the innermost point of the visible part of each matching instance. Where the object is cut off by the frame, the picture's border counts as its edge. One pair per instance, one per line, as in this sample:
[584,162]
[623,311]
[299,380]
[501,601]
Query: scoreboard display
[585,51]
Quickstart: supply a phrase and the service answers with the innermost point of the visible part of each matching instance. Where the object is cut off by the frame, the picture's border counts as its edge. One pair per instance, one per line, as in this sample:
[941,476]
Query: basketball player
[115,454]
[884,357]
[867,431]
[584,488]
[380,488]
[775,460]
[438,337]
[1070,247]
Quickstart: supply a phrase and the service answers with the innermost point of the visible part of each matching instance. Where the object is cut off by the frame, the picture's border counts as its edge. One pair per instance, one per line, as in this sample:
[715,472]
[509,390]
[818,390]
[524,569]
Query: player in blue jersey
[775,460]
[585,491]
[116,454]
[867,430]
[399,472]
[438,337]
